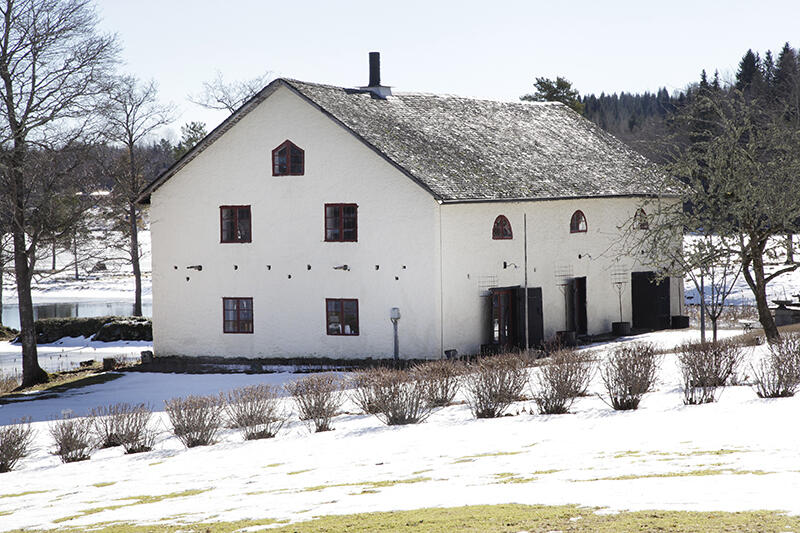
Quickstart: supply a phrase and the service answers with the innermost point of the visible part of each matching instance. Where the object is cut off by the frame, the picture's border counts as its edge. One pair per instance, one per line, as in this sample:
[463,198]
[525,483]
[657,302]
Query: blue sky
[480,49]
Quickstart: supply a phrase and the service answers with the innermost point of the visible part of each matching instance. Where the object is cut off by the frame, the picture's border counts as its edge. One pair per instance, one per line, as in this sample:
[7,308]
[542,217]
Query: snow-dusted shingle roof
[466,149]
[462,149]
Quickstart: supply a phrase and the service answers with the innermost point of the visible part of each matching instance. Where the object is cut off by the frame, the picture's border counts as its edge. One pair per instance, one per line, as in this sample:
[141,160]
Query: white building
[296,226]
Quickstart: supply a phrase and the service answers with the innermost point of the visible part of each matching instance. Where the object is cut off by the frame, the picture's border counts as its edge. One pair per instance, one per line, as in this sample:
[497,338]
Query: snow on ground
[740,453]
[68,352]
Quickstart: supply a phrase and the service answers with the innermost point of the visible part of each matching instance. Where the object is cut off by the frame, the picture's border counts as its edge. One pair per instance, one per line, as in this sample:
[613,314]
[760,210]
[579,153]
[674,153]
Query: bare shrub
[124,425]
[443,379]
[705,366]
[560,380]
[629,373]
[362,391]
[318,399]
[15,443]
[8,383]
[256,411]
[196,420]
[73,437]
[494,383]
[398,397]
[778,374]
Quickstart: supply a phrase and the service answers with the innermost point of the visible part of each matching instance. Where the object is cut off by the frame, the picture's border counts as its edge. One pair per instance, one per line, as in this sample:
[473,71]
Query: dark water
[74,309]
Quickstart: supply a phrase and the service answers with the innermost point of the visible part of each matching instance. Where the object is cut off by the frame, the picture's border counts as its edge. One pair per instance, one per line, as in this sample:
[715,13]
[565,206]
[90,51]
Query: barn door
[504,331]
[650,301]
[579,314]
[535,316]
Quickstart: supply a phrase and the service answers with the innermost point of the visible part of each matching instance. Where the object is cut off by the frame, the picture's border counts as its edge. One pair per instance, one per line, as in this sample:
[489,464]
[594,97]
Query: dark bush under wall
[7,333]
[101,328]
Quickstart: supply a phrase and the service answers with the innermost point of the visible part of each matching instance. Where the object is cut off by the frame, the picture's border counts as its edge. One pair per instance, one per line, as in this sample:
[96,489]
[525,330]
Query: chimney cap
[378,91]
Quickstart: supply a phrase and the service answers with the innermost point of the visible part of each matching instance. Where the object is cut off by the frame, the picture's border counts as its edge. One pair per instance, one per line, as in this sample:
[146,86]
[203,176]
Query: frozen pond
[74,309]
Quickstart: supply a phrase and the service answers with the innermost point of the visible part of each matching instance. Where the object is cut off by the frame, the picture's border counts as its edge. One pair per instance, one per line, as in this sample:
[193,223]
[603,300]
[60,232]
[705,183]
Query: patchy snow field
[68,352]
[740,453]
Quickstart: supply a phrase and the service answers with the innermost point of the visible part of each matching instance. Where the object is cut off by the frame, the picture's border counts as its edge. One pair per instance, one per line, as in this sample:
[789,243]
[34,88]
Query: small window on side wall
[501,229]
[235,223]
[341,222]
[288,160]
[237,315]
[640,220]
[341,316]
[577,223]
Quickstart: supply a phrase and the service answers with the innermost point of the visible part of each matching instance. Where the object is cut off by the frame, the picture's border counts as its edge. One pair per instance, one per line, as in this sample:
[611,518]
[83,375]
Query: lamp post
[394,316]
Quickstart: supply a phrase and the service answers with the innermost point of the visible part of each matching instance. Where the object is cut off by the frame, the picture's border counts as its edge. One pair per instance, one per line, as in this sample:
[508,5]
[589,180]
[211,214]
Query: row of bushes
[398,397]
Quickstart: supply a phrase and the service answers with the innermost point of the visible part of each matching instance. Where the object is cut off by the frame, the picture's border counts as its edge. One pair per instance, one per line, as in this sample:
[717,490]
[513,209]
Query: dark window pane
[279,162]
[297,161]
[227,230]
[243,224]
[349,210]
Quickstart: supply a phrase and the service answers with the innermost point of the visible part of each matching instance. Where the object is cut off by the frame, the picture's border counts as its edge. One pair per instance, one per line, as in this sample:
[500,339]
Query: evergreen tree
[748,71]
[191,134]
[559,90]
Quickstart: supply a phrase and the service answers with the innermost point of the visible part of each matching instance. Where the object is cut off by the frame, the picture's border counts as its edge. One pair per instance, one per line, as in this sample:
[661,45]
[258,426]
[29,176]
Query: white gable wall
[397,228]
[472,261]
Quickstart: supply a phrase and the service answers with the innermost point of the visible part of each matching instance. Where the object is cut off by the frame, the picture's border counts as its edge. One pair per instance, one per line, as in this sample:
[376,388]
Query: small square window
[341,222]
[341,316]
[237,315]
[235,223]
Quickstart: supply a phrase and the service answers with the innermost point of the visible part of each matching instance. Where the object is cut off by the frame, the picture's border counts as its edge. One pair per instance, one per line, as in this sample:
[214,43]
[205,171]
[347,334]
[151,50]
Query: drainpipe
[527,321]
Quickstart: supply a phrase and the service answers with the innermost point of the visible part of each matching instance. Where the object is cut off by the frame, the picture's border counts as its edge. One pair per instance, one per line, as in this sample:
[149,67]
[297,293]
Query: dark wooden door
[535,317]
[650,301]
[503,326]
[579,315]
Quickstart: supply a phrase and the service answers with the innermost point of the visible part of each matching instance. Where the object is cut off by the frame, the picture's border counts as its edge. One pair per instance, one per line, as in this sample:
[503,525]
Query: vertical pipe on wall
[525,246]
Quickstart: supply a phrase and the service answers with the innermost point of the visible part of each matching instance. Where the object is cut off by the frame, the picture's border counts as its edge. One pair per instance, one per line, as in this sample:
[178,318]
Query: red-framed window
[288,160]
[237,315]
[501,230]
[235,223]
[341,316]
[577,223]
[341,222]
[640,220]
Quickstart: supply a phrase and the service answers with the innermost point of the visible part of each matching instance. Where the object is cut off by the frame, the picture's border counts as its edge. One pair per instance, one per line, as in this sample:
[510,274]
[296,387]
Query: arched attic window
[288,160]
[640,220]
[577,223]
[501,230]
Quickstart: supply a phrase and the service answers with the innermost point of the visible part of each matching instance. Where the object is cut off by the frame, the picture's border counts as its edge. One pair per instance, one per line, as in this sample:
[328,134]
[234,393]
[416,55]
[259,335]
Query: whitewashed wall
[472,260]
[397,230]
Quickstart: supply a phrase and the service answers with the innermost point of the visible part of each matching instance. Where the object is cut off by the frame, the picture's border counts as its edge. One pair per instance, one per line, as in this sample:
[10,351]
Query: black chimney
[374,69]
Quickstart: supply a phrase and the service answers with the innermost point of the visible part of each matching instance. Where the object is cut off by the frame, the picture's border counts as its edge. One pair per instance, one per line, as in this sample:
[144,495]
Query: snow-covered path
[740,453]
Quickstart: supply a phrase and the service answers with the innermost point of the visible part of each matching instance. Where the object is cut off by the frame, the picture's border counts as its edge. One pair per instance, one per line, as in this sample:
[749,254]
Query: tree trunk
[759,288]
[54,256]
[137,272]
[2,272]
[75,253]
[32,373]
[789,249]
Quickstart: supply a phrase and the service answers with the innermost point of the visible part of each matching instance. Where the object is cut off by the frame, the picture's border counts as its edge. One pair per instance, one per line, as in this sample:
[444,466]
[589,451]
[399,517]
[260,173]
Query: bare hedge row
[490,385]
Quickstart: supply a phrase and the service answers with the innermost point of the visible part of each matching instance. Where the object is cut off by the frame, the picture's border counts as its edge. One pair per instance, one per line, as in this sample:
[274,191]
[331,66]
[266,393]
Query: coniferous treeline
[640,119]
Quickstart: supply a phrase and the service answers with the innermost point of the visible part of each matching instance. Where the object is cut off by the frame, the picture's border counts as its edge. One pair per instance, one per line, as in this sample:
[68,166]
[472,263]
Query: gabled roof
[461,149]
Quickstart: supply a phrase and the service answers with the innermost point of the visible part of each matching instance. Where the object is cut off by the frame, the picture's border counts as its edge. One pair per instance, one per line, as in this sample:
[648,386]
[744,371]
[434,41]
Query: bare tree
[132,112]
[737,175]
[229,96]
[53,63]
